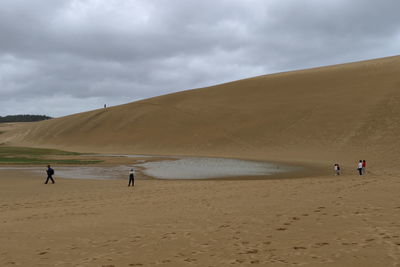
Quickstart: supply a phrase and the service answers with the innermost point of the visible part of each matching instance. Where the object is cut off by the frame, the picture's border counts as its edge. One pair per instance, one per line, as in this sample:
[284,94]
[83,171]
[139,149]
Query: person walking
[364,166]
[360,167]
[50,173]
[336,168]
[132,177]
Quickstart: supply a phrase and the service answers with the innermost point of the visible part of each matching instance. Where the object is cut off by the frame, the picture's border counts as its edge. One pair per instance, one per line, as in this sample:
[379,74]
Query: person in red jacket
[364,166]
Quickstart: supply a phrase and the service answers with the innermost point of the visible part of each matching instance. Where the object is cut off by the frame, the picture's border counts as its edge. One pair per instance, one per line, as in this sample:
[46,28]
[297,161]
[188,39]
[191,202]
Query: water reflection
[202,168]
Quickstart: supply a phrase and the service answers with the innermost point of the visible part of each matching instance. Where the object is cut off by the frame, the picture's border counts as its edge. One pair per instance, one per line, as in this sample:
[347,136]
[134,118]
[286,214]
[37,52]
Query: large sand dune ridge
[347,112]
[316,117]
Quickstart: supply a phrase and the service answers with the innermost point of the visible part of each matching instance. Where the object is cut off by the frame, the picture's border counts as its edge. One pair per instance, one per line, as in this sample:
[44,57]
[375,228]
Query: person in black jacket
[50,173]
[132,177]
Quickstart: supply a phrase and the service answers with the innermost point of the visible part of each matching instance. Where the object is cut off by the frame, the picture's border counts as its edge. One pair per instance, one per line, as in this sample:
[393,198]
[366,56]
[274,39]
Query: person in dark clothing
[50,173]
[132,177]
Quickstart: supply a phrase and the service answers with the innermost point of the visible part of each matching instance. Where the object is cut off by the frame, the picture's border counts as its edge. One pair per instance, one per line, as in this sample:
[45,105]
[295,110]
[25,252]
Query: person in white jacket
[360,167]
[336,168]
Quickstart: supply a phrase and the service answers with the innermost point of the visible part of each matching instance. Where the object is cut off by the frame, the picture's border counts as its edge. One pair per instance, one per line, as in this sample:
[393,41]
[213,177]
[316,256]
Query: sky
[68,56]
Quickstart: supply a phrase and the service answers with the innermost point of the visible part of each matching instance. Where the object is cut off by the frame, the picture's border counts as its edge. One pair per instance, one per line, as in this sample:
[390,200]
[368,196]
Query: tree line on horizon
[23,118]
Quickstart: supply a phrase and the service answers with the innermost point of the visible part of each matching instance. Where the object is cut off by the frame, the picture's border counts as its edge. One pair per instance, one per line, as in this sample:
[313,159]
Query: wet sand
[321,221]
[115,166]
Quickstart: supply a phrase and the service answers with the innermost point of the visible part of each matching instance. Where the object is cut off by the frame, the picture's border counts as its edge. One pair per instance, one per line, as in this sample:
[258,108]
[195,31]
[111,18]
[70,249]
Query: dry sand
[320,221]
[316,117]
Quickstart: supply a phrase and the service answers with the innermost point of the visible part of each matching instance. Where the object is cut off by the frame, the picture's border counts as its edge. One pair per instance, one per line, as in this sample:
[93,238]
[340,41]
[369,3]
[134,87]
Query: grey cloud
[81,53]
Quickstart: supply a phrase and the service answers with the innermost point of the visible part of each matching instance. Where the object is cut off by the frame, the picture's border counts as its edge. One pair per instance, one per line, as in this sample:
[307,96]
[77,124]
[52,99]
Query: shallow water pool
[203,168]
[172,168]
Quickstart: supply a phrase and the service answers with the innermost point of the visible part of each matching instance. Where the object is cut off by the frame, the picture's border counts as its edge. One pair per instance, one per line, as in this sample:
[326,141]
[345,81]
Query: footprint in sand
[321,244]
[293,219]
[169,235]
[237,261]
[252,251]
[190,260]
[298,247]
[136,238]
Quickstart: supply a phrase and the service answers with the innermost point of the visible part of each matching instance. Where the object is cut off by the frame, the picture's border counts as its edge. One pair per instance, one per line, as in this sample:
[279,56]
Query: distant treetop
[23,118]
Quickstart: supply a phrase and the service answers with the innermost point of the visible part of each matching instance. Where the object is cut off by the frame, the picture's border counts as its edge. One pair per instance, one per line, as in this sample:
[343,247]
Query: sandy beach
[320,221]
[313,118]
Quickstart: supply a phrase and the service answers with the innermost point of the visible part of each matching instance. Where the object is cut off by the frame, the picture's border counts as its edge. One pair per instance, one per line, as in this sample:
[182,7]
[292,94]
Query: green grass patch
[16,160]
[29,155]
[14,151]
[1,132]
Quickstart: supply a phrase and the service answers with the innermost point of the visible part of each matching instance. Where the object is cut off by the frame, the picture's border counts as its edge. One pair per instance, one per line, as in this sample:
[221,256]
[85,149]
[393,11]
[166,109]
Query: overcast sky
[67,56]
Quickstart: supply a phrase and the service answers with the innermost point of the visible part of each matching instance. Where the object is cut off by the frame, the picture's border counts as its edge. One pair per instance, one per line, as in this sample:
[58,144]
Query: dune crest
[343,111]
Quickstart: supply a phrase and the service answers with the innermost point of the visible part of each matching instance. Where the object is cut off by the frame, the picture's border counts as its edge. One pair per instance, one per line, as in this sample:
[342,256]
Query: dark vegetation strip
[24,118]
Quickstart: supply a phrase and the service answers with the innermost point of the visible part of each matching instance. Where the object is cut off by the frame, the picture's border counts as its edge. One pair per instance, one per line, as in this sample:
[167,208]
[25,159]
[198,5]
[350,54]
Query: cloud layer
[67,56]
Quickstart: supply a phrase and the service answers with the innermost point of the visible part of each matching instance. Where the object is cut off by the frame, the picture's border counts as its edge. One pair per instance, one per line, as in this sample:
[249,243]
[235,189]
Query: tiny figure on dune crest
[364,166]
[132,177]
[105,106]
[360,167]
[50,173]
[336,168]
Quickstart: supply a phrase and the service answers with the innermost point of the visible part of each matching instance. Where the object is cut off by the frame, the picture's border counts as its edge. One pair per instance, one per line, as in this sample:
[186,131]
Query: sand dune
[347,111]
[340,113]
